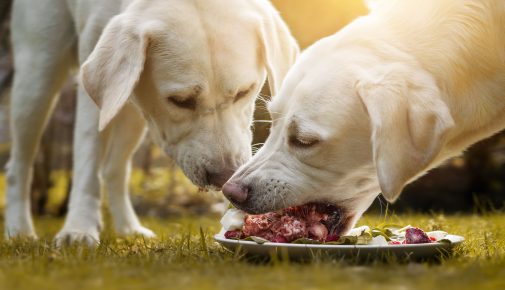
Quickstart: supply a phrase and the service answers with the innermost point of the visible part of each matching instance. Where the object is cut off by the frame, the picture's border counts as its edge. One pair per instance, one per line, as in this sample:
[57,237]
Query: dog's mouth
[320,221]
[334,218]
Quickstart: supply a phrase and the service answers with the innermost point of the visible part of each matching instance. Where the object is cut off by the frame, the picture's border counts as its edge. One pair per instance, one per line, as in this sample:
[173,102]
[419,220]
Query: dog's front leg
[84,221]
[42,59]
[119,142]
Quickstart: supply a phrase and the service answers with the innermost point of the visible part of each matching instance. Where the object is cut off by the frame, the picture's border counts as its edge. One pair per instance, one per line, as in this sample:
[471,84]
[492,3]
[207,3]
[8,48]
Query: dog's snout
[236,193]
[218,179]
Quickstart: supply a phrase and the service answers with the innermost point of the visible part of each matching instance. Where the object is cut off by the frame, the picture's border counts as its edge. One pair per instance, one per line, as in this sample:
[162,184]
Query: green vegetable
[259,240]
[306,241]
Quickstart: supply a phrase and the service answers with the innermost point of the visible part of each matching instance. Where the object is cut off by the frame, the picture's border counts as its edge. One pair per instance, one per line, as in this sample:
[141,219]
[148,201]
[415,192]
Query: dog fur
[378,104]
[190,70]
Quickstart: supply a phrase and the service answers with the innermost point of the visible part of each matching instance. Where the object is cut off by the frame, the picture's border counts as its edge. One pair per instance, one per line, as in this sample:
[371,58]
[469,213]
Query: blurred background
[472,182]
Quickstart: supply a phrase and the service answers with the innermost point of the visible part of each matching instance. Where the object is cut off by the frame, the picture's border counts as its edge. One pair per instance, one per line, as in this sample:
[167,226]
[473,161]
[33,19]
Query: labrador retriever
[189,70]
[378,104]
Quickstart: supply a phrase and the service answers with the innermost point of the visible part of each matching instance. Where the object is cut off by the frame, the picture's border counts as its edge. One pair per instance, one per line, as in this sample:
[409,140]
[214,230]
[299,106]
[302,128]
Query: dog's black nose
[219,179]
[236,193]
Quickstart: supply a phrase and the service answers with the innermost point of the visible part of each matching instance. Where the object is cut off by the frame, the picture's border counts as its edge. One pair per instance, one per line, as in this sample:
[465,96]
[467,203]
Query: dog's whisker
[264,98]
[380,204]
[257,144]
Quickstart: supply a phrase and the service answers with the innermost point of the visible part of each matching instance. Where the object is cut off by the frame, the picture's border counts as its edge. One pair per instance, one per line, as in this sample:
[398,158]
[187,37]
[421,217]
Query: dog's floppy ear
[111,72]
[280,50]
[409,123]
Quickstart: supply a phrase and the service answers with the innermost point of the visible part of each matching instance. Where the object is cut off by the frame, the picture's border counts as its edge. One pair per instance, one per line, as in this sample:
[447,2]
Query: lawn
[181,259]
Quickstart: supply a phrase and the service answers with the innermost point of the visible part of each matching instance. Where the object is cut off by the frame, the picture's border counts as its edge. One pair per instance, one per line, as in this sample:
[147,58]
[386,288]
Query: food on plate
[311,221]
[416,236]
[312,224]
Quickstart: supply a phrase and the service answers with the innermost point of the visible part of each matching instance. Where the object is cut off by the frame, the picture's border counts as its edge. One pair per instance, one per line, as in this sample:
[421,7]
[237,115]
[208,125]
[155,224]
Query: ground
[186,257]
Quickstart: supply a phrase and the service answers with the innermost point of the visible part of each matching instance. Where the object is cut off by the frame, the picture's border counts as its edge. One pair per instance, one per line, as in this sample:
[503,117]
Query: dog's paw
[69,237]
[18,225]
[136,231]
[16,233]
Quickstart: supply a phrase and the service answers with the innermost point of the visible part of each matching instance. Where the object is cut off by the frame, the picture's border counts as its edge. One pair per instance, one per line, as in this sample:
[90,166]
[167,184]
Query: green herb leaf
[346,240]
[378,232]
[306,241]
[259,240]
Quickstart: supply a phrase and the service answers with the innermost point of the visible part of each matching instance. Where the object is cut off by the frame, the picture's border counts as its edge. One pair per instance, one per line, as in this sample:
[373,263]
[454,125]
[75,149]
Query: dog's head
[347,125]
[193,69]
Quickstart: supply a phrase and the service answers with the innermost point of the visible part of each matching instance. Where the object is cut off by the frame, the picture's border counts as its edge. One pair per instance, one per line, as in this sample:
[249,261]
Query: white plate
[414,251]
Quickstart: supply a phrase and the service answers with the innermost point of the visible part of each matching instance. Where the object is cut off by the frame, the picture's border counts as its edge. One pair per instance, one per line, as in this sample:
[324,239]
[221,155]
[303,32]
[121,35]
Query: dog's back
[461,43]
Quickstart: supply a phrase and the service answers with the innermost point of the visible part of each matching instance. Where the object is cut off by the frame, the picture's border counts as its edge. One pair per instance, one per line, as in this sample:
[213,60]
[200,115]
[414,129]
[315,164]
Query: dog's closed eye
[188,103]
[242,94]
[299,139]
[303,141]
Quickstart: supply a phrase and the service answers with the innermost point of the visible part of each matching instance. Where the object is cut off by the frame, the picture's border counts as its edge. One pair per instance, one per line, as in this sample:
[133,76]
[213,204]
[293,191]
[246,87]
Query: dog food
[316,224]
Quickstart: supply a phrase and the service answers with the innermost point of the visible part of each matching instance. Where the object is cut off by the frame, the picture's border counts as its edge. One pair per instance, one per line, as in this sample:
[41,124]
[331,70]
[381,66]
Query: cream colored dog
[378,104]
[189,69]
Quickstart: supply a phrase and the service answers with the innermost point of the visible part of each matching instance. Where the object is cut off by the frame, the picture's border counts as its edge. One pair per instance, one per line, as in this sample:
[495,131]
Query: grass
[184,259]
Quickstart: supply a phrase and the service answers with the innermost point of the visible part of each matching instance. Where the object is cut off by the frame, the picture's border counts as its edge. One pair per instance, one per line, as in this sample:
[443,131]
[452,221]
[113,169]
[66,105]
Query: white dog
[190,69]
[376,105]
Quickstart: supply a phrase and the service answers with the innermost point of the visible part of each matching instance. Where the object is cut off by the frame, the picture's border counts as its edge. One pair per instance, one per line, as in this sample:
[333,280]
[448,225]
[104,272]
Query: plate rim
[222,240]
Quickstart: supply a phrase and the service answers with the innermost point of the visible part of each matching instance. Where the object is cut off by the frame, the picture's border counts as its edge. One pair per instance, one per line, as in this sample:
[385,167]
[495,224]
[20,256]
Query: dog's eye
[298,142]
[242,94]
[189,103]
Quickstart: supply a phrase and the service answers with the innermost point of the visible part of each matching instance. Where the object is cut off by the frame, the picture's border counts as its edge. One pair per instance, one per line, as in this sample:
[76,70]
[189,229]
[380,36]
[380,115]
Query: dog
[187,70]
[375,106]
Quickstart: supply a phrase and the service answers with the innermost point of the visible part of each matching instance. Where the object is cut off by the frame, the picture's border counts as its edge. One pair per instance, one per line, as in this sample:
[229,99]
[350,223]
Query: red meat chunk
[291,228]
[318,231]
[313,221]
[256,224]
[233,234]
[416,236]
